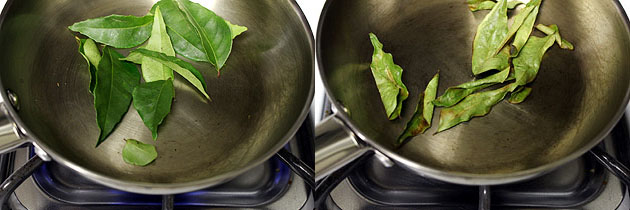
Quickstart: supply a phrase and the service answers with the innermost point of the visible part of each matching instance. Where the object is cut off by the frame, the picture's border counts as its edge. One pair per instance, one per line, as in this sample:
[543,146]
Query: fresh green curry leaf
[457,93]
[553,30]
[476,5]
[115,80]
[421,119]
[519,95]
[91,53]
[138,153]
[183,35]
[387,76]
[183,68]
[159,42]
[489,39]
[475,105]
[116,30]
[215,34]
[197,33]
[527,63]
[236,29]
[153,100]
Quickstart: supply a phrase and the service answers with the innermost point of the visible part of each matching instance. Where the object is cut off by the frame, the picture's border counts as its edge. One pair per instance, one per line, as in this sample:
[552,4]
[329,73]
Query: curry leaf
[475,105]
[153,100]
[215,34]
[476,5]
[519,95]
[116,30]
[457,93]
[527,63]
[185,39]
[115,80]
[489,39]
[387,76]
[138,153]
[197,33]
[89,51]
[236,29]
[159,42]
[526,20]
[553,30]
[421,119]
[183,68]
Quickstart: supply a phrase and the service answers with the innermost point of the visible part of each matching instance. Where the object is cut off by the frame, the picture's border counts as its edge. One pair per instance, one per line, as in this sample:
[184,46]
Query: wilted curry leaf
[553,30]
[489,40]
[153,100]
[476,5]
[475,105]
[527,63]
[183,68]
[115,80]
[89,51]
[457,93]
[116,30]
[159,42]
[236,29]
[387,76]
[527,18]
[138,153]
[421,119]
[519,95]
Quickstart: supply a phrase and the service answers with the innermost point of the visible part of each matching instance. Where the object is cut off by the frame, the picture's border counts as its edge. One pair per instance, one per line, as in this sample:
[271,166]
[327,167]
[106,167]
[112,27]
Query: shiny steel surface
[258,102]
[577,97]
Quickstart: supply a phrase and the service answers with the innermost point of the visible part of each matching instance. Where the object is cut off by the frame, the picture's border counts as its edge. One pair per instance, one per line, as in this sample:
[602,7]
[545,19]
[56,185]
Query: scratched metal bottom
[579,185]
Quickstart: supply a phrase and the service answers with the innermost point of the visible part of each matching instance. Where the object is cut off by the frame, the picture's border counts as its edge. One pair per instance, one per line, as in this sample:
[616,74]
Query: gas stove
[582,184]
[271,185]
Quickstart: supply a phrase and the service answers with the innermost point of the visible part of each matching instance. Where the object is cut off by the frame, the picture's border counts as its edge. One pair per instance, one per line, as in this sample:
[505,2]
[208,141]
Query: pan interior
[574,99]
[263,88]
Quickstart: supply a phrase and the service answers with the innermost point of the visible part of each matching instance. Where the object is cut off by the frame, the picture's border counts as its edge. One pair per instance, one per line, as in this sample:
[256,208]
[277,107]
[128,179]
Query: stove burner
[257,187]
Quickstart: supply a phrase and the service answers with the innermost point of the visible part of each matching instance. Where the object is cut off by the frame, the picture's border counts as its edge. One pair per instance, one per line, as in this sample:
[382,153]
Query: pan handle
[613,165]
[10,137]
[335,146]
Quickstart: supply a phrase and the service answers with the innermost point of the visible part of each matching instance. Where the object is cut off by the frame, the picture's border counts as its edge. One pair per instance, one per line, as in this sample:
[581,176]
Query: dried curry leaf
[527,63]
[91,53]
[459,92]
[421,119]
[489,40]
[115,81]
[183,68]
[138,153]
[387,76]
[522,26]
[553,30]
[520,95]
[475,105]
[116,30]
[159,42]
[476,5]
[153,101]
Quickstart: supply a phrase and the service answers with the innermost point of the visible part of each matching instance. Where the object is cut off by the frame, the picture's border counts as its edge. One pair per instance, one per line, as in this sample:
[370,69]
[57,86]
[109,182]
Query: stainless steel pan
[260,100]
[577,98]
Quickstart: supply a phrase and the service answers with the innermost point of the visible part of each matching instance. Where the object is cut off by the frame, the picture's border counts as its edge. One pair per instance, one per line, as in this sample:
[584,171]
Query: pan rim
[457,177]
[182,187]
